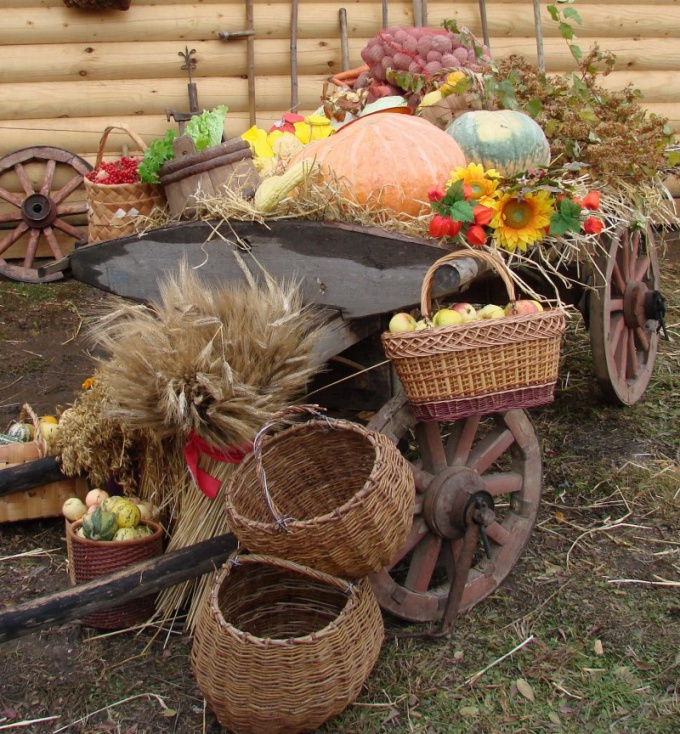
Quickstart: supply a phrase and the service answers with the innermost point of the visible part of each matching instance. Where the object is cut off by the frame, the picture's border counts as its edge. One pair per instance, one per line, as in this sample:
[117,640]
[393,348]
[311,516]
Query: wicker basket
[98,4]
[282,648]
[39,502]
[90,559]
[113,208]
[325,493]
[481,366]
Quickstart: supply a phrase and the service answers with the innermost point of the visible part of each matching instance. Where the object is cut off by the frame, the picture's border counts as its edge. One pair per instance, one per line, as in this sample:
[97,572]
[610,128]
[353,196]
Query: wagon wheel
[39,210]
[496,456]
[625,310]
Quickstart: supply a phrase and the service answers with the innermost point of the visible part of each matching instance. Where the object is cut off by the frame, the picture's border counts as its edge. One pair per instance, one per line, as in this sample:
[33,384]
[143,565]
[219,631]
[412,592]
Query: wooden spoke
[28,176]
[624,346]
[499,454]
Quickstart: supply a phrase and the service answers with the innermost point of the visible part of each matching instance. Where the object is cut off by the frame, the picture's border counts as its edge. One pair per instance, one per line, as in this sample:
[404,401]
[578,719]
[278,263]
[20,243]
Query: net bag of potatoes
[326,493]
[478,367]
[113,209]
[281,648]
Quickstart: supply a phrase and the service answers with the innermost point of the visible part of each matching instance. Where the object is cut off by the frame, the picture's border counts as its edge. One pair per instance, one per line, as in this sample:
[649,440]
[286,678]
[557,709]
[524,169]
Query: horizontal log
[142,579]
[159,59]
[193,23]
[155,96]
[22,477]
[151,96]
[122,61]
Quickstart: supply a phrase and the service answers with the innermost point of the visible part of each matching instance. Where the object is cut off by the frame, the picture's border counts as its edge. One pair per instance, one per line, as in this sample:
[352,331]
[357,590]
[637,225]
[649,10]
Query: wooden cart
[479,479]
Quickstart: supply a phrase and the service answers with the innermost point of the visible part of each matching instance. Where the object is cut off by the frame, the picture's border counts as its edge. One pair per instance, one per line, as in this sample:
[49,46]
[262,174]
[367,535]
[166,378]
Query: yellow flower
[483,184]
[89,383]
[258,142]
[314,127]
[520,222]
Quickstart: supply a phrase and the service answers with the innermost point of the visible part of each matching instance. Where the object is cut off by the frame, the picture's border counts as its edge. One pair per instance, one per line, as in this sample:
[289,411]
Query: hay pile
[215,362]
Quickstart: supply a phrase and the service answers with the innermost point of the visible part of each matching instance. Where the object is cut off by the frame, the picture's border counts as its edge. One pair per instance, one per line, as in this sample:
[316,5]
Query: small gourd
[273,190]
[123,534]
[99,525]
[127,515]
[506,140]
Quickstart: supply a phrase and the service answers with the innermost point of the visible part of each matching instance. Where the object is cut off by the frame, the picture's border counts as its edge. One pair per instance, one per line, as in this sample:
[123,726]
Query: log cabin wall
[67,73]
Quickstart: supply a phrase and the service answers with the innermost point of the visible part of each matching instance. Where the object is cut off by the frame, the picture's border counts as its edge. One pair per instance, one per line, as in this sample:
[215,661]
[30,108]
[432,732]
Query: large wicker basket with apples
[451,366]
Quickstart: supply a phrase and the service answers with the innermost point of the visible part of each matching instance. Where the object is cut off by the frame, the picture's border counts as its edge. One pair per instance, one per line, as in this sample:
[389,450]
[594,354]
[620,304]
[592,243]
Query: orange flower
[476,235]
[592,226]
[592,200]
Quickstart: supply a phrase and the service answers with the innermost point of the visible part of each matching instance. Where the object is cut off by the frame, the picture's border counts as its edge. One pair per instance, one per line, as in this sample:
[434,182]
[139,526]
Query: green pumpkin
[100,525]
[507,140]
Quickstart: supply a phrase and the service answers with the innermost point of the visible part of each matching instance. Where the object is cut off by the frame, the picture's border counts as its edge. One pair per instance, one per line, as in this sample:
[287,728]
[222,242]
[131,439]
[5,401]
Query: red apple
[466,309]
[522,308]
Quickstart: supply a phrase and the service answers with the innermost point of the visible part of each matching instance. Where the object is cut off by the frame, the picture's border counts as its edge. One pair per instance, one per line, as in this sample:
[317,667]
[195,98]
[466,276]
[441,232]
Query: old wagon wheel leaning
[625,311]
[496,457]
[40,209]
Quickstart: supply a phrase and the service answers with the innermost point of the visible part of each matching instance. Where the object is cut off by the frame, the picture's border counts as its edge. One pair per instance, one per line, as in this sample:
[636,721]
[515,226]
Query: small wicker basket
[112,209]
[42,501]
[325,493]
[478,367]
[90,559]
[283,648]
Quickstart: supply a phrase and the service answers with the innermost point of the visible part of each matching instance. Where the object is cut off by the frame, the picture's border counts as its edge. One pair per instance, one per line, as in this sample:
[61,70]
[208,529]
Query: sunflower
[520,222]
[481,183]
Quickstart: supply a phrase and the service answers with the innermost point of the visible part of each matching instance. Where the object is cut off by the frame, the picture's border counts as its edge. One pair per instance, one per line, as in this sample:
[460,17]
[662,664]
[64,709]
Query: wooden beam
[139,580]
[32,474]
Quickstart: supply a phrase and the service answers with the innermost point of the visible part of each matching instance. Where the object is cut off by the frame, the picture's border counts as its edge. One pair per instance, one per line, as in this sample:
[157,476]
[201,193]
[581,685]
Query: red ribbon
[229,454]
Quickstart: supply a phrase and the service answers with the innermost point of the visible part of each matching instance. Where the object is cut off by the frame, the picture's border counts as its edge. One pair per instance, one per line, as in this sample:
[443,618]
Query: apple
[423,324]
[490,312]
[522,308]
[467,309]
[447,317]
[401,322]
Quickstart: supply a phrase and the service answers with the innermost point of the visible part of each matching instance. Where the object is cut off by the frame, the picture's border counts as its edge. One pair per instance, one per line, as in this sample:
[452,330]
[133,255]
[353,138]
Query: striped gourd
[507,140]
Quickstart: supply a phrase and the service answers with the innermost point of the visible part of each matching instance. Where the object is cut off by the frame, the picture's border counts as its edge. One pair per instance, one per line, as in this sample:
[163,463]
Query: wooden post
[385,13]
[344,40]
[539,36]
[485,24]
[417,13]
[250,53]
[293,56]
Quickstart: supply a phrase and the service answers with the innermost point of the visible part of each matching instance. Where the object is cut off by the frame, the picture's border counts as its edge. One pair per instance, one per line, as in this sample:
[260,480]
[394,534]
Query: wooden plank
[197,22]
[132,583]
[359,271]
[22,477]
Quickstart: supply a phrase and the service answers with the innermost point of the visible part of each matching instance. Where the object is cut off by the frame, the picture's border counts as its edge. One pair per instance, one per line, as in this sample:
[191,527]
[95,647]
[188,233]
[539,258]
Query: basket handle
[118,126]
[283,416]
[494,261]
[342,584]
[38,438]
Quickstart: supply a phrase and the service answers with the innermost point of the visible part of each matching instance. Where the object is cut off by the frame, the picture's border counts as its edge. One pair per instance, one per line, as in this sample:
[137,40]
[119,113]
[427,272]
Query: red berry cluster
[123,171]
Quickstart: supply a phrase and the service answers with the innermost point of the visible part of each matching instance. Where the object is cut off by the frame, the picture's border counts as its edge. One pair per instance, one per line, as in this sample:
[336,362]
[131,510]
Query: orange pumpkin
[387,161]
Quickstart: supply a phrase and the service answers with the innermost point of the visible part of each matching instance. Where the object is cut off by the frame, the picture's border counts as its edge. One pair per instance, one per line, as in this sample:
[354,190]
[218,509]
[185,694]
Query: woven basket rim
[478,325]
[71,529]
[352,598]
[375,438]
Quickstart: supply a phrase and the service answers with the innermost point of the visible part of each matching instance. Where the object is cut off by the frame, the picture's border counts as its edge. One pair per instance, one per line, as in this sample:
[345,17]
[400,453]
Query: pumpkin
[387,161]
[507,140]
[99,525]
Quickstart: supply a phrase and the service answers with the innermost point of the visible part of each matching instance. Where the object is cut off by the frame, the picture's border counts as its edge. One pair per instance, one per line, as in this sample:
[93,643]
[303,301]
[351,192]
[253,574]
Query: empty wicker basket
[282,648]
[325,493]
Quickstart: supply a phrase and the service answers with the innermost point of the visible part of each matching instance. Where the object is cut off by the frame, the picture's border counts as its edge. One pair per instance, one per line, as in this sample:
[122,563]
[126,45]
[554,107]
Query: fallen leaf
[394,714]
[598,648]
[554,718]
[525,689]
[169,713]
[468,712]
[560,517]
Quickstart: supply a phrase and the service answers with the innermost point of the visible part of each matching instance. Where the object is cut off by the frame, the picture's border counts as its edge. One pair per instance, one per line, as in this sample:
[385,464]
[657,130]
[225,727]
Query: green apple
[401,322]
[447,317]
[467,310]
[490,312]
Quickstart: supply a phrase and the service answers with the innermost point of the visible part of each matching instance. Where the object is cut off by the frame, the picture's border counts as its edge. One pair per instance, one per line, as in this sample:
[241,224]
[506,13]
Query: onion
[73,509]
[95,497]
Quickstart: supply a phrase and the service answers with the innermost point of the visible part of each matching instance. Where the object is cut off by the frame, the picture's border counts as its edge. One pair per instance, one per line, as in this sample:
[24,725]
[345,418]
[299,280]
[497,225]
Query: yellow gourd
[271,192]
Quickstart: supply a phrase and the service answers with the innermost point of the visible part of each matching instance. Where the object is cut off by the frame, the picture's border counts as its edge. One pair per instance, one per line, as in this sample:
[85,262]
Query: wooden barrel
[192,176]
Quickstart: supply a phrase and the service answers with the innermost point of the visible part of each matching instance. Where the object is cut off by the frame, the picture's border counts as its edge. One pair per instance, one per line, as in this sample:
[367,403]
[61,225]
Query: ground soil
[141,682]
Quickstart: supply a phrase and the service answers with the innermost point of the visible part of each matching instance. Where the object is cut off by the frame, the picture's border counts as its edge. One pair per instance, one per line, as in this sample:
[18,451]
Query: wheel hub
[38,211]
[448,498]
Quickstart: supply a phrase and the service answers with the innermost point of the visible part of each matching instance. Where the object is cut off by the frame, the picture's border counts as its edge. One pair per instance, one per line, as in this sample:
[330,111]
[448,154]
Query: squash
[386,161]
[127,515]
[99,525]
[507,140]
[273,190]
